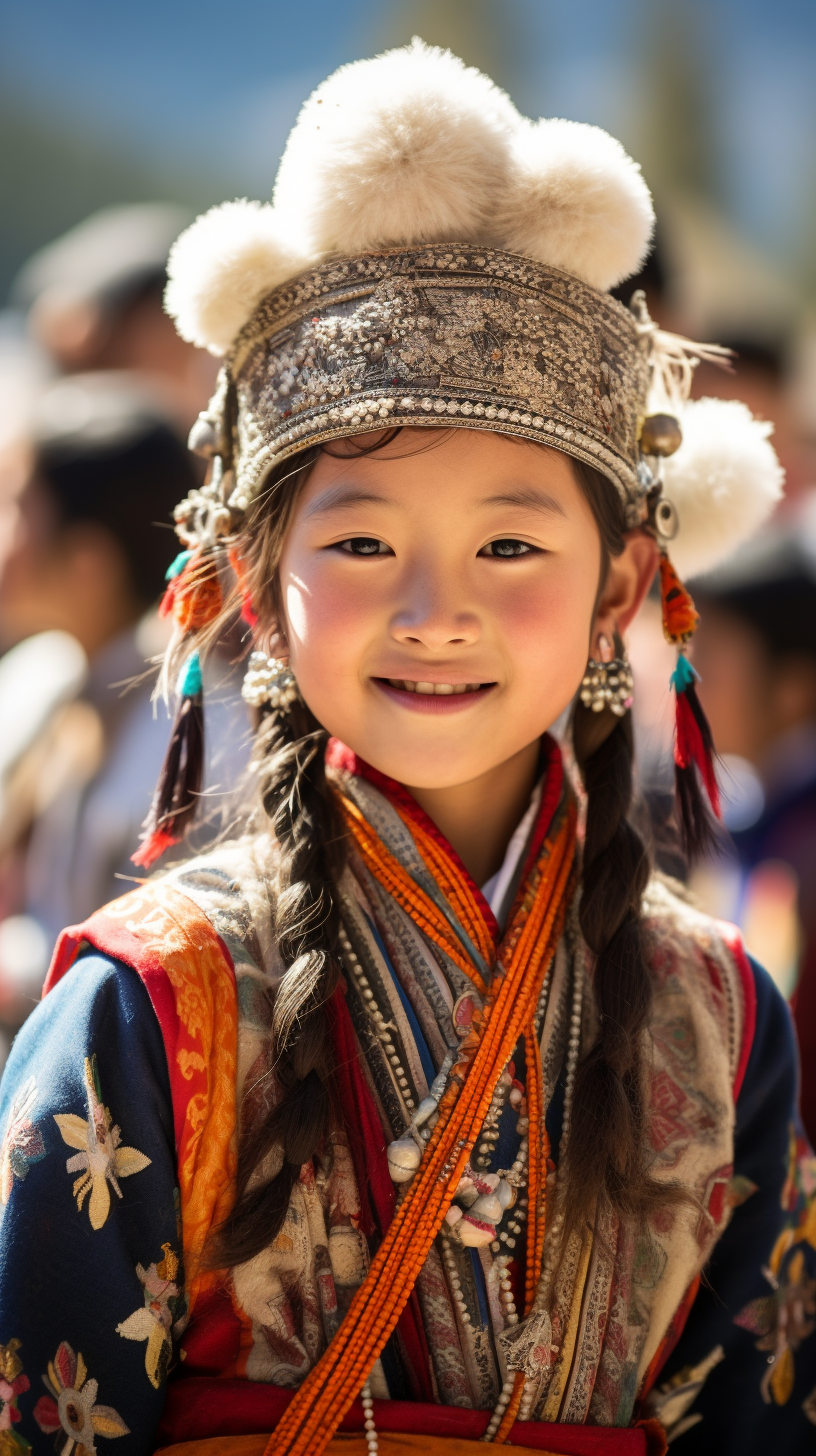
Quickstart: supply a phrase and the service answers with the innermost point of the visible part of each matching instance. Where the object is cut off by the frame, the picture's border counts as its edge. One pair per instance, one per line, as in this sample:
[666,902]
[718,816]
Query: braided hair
[606,1147]
[606,1160]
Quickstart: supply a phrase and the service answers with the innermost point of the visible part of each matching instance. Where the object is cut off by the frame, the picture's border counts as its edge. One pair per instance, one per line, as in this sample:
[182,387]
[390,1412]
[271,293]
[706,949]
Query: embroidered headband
[433,336]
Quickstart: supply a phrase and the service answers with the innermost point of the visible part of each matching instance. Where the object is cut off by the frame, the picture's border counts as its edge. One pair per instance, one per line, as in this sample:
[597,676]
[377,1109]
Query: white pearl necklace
[381,1026]
[368,1421]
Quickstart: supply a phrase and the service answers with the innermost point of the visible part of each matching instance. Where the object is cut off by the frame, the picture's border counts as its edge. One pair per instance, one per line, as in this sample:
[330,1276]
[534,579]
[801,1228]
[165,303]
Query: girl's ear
[630,576]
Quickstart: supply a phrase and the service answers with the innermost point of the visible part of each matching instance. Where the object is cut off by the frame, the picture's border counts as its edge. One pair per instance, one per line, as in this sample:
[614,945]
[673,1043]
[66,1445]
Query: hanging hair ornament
[179,787]
[269,682]
[205,520]
[672,364]
[193,597]
[693,741]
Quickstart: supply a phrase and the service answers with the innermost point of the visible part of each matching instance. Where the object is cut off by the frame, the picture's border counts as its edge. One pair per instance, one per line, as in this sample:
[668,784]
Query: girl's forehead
[460,462]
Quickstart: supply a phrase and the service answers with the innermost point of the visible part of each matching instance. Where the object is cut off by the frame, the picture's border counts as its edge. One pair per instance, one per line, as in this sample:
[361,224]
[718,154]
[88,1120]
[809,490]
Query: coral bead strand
[330,1388]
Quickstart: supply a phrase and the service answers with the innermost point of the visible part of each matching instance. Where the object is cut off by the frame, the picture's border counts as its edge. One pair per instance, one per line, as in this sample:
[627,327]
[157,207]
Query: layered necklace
[441,1159]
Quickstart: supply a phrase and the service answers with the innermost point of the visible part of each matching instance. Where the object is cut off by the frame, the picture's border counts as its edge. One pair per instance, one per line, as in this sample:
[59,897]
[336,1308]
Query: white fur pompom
[723,481]
[575,200]
[407,148]
[222,266]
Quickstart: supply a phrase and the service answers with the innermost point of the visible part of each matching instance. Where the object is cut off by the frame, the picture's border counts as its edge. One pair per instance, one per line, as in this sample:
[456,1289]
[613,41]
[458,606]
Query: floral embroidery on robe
[162,1316]
[13,1383]
[22,1143]
[70,1409]
[101,1159]
[786,1317]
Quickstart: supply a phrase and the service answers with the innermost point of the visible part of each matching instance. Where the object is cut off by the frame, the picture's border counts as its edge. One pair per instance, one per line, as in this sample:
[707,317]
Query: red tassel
[691,749]
[178,791]
[693,764]
[153,847]
[248,613]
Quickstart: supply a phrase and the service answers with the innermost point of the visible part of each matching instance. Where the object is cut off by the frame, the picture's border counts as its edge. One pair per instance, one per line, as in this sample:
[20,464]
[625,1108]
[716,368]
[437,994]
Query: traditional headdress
[432,257]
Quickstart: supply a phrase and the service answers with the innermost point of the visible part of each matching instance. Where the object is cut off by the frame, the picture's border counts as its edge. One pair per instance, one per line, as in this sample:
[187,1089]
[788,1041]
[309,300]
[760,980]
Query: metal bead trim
[398,338]
[269,680]
[608,685]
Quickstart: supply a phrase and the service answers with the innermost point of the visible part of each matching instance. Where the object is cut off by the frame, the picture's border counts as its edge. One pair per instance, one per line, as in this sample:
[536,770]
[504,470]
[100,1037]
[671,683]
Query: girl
[421,1109]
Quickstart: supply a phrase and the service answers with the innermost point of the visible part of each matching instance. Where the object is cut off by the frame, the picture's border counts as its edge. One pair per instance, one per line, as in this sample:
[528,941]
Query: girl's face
[438,598]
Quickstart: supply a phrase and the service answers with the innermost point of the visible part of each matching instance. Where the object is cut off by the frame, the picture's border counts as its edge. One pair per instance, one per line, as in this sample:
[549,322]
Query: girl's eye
[364,546]
[506,547]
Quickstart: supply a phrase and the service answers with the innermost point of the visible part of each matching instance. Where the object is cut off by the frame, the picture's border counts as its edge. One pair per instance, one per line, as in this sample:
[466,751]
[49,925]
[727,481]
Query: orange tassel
[194,597]
[679,612]
[680,616]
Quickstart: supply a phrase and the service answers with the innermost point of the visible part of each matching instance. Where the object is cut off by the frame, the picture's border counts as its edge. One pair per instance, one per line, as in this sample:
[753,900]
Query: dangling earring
[269,681]
[607,682]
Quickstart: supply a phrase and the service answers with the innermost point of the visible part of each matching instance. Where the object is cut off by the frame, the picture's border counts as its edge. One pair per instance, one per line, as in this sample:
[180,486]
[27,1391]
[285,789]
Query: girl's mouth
[428,697]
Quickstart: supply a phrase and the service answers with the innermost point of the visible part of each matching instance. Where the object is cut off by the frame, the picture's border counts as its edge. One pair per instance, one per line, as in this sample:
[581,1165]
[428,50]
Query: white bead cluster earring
[269,680]
[607,682]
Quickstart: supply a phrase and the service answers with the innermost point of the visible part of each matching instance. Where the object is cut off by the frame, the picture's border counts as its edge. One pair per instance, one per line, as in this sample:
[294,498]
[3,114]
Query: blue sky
[199,82]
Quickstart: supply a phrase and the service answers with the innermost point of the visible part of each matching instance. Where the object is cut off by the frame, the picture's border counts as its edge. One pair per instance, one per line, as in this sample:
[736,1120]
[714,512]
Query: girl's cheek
[548,625]
[325,619]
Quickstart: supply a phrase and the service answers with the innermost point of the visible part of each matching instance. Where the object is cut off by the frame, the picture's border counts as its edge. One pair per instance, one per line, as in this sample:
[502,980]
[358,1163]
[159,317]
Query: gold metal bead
[660,435]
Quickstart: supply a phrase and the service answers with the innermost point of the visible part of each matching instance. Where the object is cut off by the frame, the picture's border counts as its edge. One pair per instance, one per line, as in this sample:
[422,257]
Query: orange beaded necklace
[523,960]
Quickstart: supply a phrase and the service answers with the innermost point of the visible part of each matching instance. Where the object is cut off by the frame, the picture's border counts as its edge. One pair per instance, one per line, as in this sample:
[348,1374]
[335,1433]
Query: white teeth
[440,690]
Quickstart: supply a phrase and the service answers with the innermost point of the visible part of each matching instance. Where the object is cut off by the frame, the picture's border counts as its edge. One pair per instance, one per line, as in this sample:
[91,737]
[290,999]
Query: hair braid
[606,1152]
[306,826]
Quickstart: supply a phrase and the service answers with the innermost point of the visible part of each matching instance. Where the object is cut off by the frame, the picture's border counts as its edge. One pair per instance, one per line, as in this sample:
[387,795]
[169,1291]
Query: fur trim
[410,147]
[222,266]
[413,147]
[724,481]
[575,200]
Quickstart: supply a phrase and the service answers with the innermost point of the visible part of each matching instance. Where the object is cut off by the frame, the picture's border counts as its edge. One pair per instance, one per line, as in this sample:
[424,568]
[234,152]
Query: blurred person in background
[93,300]
[85,515]
[756,653]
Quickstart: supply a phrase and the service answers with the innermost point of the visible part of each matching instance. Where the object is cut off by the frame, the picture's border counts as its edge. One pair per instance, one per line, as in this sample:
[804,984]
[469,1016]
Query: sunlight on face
[438,598]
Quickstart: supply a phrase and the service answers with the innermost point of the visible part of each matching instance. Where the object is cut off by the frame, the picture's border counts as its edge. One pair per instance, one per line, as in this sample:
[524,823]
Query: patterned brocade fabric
[434,336]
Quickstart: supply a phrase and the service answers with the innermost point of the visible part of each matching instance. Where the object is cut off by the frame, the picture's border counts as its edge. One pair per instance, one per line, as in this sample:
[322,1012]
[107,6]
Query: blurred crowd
[97,394]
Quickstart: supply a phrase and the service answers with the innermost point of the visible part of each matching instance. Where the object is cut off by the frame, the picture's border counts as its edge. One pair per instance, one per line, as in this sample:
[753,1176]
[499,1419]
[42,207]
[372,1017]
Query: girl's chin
[438,704]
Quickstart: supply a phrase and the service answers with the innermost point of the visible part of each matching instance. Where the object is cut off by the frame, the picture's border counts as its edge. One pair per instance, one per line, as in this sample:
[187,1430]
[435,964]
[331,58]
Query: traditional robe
[118,1119]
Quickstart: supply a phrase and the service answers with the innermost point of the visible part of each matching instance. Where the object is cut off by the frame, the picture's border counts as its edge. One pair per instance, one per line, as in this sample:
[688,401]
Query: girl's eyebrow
[338,497]
[527,497]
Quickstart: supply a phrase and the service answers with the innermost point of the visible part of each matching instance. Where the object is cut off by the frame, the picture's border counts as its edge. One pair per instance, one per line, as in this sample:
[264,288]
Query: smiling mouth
[428,689]
[420,696]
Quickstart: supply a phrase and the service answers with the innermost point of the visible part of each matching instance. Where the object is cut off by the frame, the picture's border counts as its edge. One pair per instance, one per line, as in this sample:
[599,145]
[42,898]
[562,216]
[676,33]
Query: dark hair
[606,1158]
[128,483]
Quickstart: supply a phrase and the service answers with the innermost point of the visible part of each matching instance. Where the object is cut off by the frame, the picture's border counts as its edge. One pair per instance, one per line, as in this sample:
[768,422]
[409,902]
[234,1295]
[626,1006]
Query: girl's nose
[434,618]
